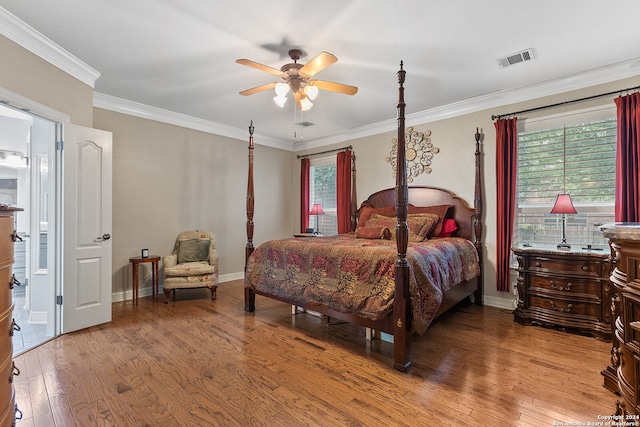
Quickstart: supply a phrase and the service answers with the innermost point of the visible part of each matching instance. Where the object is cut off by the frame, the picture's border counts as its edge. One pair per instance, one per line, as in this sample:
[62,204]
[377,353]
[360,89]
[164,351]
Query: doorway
[27,180]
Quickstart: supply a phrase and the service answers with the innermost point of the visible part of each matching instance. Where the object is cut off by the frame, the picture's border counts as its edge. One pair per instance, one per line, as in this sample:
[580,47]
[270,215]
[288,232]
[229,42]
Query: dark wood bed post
[249,295]
[402,304]
[477,219]
[354,198]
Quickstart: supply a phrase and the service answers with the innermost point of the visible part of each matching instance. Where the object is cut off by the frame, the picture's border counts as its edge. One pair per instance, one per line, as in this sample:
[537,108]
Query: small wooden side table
[135,261]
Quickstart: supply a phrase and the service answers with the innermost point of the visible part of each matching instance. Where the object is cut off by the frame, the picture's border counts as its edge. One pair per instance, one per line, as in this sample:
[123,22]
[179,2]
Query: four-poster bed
[393,288]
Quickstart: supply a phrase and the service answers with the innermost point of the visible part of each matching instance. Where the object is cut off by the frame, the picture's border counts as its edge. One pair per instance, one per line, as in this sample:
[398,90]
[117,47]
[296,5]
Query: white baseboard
[506,304]
[38,317]
[499,302]
[147,291]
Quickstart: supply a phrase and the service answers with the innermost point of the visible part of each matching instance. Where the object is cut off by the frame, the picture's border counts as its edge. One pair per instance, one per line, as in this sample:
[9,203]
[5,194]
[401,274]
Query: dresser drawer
[7,329]
[7,373]
[562,265]
[8,414]
[6,293]
[565,286]
[560,306]
[6,243]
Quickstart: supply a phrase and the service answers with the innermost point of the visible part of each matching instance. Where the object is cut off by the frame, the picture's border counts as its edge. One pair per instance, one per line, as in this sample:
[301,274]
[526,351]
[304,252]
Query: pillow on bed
[448,227]
[373,233]
[419,225]
[440,211]
[367,211]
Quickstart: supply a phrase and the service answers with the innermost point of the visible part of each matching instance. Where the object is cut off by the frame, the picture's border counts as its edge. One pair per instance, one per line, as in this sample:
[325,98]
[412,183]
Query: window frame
[591,214]
[325,226]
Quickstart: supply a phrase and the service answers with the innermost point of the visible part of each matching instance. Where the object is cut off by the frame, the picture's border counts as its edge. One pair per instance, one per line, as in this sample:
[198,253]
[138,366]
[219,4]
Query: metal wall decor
[419,151]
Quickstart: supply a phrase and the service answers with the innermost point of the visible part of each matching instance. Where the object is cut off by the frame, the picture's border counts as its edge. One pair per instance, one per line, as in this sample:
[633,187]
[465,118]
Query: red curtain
[506,170]
[304,194]
[343,191]
[628,158]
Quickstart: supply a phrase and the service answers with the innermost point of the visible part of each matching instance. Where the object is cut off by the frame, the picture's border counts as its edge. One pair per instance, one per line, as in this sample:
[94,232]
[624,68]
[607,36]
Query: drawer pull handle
[585,268]
[15,236]
[538,264]
[14,327]
[561,288]
[14,372]
[14,282]
[18,412]
[556,308]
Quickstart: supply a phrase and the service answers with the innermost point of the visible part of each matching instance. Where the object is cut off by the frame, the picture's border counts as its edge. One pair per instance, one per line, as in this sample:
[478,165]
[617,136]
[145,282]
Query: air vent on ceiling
[516,58]
[304,124]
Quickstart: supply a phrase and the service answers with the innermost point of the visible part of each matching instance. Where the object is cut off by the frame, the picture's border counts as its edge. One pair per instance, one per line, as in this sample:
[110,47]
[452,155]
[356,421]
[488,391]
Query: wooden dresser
[8,407]
[625,353]
[569,290]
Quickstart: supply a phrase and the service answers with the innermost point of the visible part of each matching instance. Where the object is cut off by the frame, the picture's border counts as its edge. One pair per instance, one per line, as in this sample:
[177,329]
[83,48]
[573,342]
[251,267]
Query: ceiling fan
[298,78]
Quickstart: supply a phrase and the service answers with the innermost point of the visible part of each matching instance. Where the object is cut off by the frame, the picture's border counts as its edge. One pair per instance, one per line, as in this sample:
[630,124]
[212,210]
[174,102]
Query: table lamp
[563,206]
[316,210]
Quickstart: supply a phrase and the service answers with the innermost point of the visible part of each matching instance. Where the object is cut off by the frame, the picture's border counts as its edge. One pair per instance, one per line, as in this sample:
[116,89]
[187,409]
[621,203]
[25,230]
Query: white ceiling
[180,56]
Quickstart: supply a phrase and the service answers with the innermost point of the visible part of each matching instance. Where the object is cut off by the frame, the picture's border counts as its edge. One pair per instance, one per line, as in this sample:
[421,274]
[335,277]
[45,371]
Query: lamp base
[564,247]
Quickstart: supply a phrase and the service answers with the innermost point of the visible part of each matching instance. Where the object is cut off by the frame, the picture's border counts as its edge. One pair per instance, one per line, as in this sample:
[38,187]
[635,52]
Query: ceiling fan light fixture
[280,100]
[282,89]
[305,104]
[311,92]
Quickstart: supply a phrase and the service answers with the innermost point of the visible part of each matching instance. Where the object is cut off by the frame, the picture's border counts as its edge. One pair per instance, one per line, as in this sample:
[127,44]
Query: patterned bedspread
[356,276]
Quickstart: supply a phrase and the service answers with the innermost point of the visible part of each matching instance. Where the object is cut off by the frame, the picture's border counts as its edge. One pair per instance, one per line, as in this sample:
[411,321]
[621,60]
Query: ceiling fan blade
[260,67]
[317,64]
[297,97]
[258,89]
[335,87]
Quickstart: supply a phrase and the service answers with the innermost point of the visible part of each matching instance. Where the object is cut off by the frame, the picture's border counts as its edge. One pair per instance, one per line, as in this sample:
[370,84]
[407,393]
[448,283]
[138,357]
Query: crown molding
[19,32]
[602,75]
[119,105]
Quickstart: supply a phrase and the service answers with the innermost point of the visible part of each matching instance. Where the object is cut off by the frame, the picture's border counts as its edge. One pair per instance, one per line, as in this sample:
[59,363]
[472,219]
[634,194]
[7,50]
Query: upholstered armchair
[193,263]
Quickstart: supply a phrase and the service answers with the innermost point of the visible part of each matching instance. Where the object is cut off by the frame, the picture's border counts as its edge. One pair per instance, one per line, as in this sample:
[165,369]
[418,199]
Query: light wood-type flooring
[197,362]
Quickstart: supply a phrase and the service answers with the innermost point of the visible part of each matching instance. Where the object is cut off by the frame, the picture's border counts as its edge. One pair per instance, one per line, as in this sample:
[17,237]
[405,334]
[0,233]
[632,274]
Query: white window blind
[588,176]
[322,190]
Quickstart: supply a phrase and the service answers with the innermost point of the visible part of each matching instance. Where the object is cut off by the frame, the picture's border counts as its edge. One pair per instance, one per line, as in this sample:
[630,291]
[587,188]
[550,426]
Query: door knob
[104,237]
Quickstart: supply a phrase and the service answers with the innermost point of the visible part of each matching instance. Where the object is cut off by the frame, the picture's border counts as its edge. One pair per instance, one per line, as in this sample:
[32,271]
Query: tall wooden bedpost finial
[250,197]
[477,217]
[249,295]
[402,300]
[402,232]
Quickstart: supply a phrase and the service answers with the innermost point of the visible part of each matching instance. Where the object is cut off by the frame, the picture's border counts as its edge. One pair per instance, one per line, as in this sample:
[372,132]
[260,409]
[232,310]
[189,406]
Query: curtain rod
[325,152]
[500,116]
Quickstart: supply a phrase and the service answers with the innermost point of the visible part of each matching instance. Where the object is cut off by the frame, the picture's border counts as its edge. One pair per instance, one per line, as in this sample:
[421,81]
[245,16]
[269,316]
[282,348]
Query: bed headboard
[429,196]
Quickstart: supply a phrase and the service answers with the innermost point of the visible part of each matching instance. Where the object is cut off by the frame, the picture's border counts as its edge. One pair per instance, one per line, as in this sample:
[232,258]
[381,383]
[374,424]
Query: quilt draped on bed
[356,276]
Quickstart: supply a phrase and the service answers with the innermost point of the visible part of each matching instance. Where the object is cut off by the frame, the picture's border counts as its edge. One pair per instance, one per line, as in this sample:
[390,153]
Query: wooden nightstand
[564,289]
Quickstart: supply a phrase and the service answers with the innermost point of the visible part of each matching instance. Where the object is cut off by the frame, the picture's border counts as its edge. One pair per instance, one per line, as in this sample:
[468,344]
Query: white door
[86,182]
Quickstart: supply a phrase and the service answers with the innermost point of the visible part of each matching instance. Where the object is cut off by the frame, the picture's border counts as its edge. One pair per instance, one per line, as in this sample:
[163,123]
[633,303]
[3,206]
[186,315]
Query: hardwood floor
[201,362]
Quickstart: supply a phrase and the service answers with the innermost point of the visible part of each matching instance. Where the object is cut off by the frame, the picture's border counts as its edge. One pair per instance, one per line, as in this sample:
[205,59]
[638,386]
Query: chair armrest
[170,260]
[213,260]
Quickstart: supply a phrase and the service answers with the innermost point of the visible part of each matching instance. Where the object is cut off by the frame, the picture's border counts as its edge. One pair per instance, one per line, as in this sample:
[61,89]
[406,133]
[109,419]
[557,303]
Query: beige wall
[453,166]
[167,179]
[28,75]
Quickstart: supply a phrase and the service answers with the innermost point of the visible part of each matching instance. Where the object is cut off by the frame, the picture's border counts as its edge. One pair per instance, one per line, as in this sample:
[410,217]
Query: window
[588,142]
[322,190]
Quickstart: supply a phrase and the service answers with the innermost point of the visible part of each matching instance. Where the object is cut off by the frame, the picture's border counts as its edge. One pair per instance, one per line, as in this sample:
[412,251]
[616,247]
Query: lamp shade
[305,103]
[316,209]
[311,92]
[282,89]
[563,205]
[280,100]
